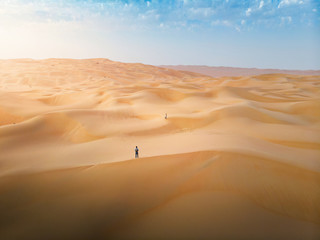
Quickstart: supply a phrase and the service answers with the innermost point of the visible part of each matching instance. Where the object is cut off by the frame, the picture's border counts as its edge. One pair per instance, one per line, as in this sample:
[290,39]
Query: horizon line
[157,65]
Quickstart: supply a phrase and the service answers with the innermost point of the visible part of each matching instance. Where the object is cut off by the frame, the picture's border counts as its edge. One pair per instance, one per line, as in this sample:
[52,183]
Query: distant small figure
[136,150]
[166,116]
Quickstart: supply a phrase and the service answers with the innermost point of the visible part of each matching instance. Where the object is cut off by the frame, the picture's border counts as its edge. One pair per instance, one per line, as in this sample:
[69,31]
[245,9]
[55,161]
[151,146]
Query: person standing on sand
[136,150]
[166,116]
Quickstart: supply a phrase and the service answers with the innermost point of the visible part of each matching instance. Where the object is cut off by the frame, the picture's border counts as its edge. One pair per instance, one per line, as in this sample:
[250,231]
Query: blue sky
[258,33]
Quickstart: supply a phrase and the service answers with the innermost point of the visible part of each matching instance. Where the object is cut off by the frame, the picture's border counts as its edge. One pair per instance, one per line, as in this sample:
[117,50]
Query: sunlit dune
[237,158]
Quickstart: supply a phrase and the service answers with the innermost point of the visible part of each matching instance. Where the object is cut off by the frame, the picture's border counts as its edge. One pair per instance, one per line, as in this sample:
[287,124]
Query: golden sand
[237,158]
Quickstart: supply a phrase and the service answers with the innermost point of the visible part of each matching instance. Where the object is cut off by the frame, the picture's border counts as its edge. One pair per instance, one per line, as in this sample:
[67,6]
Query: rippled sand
[237,158]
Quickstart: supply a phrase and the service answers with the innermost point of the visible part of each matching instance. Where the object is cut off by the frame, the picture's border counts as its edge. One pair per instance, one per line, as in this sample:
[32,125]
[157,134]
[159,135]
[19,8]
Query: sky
[283,34]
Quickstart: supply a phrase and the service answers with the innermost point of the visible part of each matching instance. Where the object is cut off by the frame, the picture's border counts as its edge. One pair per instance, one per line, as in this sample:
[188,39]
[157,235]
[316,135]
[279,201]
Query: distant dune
[235,72]
[237,158]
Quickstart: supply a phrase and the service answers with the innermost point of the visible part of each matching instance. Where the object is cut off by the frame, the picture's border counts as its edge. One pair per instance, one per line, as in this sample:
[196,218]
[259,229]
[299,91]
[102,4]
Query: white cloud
[314,10]
[149,15]
[225,23]
[201,12]
[286,20]
[261,4]
[248,12]
[243,22]
[289,2]
[221,23]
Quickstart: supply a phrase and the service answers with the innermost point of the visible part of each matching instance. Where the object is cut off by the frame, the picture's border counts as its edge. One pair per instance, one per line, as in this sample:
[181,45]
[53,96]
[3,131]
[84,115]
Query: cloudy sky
[240,33]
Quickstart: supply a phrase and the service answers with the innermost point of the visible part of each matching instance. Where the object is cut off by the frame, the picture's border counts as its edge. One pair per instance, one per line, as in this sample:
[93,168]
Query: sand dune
[237,158]
[234,71]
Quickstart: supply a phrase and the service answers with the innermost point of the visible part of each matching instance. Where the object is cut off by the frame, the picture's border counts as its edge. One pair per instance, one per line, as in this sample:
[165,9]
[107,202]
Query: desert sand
[237,158]
[236,71]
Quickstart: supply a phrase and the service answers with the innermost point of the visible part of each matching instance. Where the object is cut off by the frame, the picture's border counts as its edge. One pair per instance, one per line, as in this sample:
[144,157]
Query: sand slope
[237,158]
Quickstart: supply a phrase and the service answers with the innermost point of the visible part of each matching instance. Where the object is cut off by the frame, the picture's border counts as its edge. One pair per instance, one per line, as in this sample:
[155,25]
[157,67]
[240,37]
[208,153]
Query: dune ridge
[240,153]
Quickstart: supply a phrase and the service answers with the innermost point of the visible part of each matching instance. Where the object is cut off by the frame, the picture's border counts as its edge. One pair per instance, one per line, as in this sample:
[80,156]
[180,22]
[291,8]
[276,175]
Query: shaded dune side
[111,206]
[48,127]
[68,125]
[62,99]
